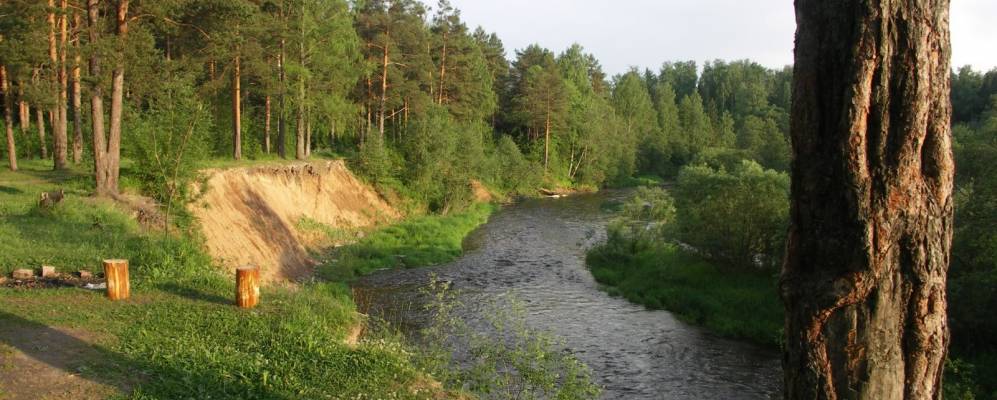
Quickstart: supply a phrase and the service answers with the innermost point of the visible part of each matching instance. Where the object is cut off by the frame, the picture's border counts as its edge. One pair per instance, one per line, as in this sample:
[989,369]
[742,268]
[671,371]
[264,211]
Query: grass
[417,242]
[179,336]
[733,303]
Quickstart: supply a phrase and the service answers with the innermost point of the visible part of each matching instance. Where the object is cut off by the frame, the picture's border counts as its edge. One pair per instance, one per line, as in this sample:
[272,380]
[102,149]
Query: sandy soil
[254,215]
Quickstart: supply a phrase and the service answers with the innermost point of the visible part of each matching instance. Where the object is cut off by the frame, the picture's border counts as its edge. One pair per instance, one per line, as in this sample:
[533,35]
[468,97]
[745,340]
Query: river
[535,249]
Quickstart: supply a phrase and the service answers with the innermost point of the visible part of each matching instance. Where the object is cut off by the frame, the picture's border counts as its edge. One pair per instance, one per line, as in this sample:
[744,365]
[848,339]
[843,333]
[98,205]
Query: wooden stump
[116,272]
[247,282]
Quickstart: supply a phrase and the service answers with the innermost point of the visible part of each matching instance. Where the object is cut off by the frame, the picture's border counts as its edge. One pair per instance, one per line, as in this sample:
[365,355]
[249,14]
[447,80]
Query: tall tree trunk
[299,140]
[8,118]
[443,68]
[236,110]
[62,107]
[266,124]
[58,111]
[547,138]
[384,86]
[281,121]
[117,100]
[97,103]
[871,219]
[40,121]
[25,110]
[75,91]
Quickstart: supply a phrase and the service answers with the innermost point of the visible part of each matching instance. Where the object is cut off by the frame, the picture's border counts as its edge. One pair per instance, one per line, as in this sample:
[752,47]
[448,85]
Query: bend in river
[536,250]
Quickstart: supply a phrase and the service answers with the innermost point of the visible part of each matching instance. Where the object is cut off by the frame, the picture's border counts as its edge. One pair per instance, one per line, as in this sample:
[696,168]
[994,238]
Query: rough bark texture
[247,283]
[40,121]
[871,219]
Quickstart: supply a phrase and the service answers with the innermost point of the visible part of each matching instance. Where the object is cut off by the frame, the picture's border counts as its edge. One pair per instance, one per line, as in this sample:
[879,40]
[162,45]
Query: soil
[61,280]
[38,362]
[253,216]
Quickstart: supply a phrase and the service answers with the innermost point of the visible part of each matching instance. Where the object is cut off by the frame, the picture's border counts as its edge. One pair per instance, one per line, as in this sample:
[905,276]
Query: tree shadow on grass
[10,190]
[191,293]
[71,354]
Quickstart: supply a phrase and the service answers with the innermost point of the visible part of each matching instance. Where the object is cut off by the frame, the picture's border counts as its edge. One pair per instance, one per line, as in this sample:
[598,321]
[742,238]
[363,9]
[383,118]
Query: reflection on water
[535,250]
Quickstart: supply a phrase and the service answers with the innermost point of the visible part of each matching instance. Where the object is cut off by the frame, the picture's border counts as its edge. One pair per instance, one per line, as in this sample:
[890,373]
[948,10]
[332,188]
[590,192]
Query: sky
[645,33]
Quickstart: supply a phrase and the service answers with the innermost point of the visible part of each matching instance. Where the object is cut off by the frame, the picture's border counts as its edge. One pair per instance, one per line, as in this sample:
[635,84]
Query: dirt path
[38,362]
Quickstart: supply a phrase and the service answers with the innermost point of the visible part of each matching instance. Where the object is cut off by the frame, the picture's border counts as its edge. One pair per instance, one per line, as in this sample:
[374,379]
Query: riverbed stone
[23,273]
[48,271]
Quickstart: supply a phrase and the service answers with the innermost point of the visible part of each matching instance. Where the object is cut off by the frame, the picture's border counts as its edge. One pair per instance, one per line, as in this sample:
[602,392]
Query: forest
[410,94]
[143,95]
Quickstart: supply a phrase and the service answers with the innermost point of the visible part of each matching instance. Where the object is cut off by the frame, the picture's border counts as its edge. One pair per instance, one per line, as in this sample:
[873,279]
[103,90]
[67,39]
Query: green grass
[417,242]
[180,336]
[733,303]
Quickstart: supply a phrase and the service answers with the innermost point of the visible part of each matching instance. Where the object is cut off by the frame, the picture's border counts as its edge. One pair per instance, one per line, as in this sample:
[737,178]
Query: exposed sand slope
[252,215]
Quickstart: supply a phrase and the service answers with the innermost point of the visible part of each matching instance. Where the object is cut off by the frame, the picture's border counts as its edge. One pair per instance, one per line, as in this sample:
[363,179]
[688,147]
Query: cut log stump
[247,282]
[116,272]
[48,271]
[22,274]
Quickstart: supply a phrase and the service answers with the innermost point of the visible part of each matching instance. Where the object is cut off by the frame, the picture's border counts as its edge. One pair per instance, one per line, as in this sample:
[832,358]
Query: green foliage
[739,217]
[416,242]
[741,304]
[507,359]
[644,219]
[168,140]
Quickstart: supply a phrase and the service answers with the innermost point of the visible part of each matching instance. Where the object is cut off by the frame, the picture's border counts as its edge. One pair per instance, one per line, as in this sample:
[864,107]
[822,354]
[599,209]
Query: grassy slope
[736,304]
[419,241]
[179,336]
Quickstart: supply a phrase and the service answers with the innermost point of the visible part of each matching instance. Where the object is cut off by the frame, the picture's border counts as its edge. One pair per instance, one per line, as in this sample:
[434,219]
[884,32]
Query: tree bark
[97,103]
[58,111]
[8,118]
[117,100]
[236,110]
[384,86]
[871,219]
[118,284]
[75,91]
[299,140]
[281,121]
[266,124]
[40,121]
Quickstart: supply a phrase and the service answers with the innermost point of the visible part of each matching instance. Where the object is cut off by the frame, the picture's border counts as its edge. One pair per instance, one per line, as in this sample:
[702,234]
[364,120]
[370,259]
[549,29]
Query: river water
[535,249]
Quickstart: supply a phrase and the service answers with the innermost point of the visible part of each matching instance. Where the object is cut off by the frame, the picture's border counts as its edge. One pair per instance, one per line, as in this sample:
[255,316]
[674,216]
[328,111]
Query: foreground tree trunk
[117,102]
[871,219]
[58,113]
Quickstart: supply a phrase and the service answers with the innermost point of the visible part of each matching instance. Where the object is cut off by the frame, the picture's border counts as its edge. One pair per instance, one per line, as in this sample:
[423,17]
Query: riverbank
[180,335]
[734,304]
[739,305]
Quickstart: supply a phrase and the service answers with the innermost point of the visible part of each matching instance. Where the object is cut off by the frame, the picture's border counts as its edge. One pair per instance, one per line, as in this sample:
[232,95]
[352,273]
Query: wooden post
[247,282]
[116,272]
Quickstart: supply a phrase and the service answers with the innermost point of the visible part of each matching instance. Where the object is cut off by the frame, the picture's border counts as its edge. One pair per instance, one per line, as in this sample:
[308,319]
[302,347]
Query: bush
[738,217]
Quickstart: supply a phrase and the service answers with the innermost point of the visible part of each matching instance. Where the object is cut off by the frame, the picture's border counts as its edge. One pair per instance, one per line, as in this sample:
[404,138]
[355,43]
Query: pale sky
[645,33]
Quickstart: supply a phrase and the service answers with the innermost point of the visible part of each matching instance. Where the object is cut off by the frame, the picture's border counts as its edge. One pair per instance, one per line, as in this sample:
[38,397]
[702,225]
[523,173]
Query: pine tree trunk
[62,113]
[117,102]
[97,103]
[384,87]
[57,112]
[443,69]
[8,118]
[77,101]
[236,110]
[266,124]
[871,220]
[40,121]
[281,122]
[299,140]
